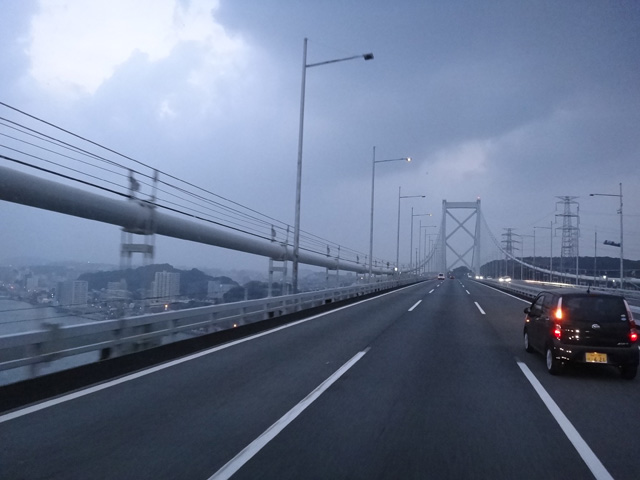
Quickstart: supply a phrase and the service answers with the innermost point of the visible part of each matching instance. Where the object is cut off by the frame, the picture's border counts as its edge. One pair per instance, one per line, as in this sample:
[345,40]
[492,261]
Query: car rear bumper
[615,355]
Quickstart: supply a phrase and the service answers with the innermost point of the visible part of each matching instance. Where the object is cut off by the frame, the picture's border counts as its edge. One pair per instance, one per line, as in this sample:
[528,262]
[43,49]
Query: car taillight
[633,335]
[557,332]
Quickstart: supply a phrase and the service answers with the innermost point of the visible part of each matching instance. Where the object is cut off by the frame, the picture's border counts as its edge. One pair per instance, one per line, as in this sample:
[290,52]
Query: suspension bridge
[345,381]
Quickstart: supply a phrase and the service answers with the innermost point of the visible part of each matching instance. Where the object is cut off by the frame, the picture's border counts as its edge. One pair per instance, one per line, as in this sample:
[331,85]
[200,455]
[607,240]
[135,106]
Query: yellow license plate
[595,357]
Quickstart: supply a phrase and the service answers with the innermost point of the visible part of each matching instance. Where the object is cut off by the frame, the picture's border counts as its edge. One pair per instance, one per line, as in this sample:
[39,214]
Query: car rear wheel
[628,372]
[527,345]
[553,364]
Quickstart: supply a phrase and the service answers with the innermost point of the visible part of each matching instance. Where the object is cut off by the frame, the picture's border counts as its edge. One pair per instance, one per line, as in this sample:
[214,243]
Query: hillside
[193,283]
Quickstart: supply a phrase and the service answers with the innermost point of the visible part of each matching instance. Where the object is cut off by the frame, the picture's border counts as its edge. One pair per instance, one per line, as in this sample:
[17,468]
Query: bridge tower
[276,266]
[146,245]
[455,245]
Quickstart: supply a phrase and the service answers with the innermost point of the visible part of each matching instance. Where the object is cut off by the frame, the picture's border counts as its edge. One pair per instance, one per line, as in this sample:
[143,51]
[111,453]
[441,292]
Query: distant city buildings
[72,293]
[165,287]
[138,292]
[117,290]
[33,283]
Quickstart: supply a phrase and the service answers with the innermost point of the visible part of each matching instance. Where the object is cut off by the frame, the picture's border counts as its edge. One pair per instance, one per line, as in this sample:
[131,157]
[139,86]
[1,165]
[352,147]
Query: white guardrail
[111,338]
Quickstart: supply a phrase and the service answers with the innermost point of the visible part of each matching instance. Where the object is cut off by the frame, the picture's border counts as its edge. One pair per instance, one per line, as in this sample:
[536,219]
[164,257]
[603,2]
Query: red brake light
[557,332]
[633,333]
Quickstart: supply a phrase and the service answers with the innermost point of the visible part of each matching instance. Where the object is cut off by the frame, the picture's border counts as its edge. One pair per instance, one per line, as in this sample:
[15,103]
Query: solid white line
[480,308]
[597,468]
[103,386]
[417,303]
[233,465]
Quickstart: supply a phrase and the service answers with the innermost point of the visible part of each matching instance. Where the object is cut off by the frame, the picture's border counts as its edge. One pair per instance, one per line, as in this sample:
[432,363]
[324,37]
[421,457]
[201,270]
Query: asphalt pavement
[429,381]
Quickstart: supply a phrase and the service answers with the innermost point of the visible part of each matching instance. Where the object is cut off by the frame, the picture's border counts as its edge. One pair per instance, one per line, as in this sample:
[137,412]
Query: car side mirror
[527,310]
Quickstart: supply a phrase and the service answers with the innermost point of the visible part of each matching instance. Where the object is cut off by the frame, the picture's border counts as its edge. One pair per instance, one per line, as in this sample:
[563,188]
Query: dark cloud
[513,102]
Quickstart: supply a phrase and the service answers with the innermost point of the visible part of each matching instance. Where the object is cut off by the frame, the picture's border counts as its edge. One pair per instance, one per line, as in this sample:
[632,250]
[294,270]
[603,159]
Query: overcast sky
[513,102]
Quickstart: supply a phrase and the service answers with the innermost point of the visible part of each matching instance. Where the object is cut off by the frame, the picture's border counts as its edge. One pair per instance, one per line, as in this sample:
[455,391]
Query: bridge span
[427,381]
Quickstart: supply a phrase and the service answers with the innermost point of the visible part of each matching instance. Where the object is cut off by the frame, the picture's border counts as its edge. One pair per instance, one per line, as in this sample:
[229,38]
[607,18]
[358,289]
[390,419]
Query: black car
[570,325]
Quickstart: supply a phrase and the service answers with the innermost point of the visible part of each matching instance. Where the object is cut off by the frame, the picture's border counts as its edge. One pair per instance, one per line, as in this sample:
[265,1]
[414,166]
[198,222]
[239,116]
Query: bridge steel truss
[446,239]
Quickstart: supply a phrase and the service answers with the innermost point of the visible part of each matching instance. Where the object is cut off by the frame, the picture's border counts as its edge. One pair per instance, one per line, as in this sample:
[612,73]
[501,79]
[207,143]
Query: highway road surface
[426,382]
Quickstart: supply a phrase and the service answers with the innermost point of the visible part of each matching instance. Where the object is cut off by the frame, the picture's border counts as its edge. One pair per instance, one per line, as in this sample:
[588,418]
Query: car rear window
[594,309]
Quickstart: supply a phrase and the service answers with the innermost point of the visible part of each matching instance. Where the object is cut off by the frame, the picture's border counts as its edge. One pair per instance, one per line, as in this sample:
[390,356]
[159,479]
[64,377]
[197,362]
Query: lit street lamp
[621,232]
[398,236]
[296,234]
[373,176]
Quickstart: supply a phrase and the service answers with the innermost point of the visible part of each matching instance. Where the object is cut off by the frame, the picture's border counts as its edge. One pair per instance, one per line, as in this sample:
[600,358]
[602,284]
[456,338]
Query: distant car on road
[441,276]
[574,326]
[504,279]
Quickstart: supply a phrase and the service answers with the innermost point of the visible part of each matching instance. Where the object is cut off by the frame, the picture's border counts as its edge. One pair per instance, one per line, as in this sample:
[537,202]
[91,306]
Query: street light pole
[373,177]
[425,241]
[535,273]
[621,230]
[595,256]
[296,234]
[429,250]
[550,227]
[398,236]
[522,254]
[411,242]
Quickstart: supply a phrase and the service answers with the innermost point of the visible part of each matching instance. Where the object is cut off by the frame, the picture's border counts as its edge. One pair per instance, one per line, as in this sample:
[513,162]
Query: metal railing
[112,338]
